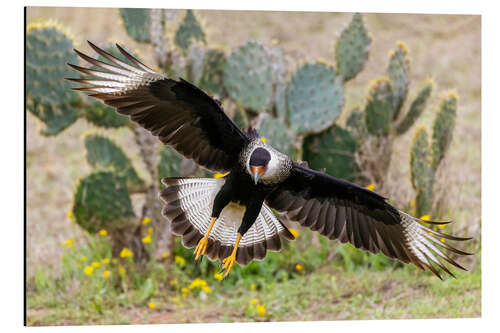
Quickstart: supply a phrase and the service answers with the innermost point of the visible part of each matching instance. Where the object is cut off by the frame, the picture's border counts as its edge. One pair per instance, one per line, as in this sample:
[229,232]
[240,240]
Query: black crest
[260,156]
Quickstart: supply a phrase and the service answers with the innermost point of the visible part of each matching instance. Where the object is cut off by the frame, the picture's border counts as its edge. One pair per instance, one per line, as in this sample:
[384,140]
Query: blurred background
[79,272]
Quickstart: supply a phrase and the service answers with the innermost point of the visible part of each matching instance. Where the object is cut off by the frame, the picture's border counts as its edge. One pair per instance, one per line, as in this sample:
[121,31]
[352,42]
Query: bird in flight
[231,218]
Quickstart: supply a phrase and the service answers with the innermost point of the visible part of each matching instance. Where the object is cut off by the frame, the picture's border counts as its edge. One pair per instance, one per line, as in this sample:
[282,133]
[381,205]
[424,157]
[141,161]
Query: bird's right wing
[179,113]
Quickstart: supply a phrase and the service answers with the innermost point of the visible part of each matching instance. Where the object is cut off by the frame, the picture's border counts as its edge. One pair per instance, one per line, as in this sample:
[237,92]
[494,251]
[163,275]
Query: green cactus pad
[248,76]
[279,68]
[332,150]
[196,63]
[48,95]
[213,73]
[104,154]
[170,163]
[102,201]
[189,30]
[352,48]
[315,97]
[356,124]
[379,108]
[416,109]
[422,173]
[137,22]
[240,118]
[399,71]
[277,134]
[443,127]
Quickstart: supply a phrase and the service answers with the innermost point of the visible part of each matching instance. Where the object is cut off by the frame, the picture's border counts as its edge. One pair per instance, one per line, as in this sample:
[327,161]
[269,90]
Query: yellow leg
[228,263]
[202,244]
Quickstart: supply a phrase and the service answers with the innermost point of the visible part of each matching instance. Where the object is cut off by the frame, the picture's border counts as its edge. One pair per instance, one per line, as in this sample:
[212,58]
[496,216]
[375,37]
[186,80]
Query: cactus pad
[248,76]
[213,73]
[48,95]
[443,127]
[315,97]
[196,56]
[277,134]
[332,150]
[189,30]
[170,163]
[104,154]
[240,118]
[379,108]
[356,124]
[279,68]
[102,201]
[137,22]
[398,71]
[416,109]
[352,48]
[422,173]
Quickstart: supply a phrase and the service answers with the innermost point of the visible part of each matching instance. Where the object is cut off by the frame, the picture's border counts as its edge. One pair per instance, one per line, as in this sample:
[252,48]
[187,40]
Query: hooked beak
[257,171]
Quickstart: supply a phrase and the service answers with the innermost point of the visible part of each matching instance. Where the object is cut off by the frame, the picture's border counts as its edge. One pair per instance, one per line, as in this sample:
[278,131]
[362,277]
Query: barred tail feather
[188,206]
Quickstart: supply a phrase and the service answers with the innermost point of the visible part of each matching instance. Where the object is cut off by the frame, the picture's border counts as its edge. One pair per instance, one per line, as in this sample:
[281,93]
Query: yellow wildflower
[146,220]
[184,291]
[219,276]
[254,301]
[106,274]
[70,215]
[261,310]
[83,258]
[206,289]
[441,225]
[95,264]
[150,230]
[263,139]
[121,270]
[125,253]
[197,283]
[180,260]
[253,287]
[175,299]
[370,187]
[425,218]
[295,233]
[69,243]
[442,240]
[88,270]
[147,239]
[105,261]
[220,175]
[299,267]
[103,232]
[151,305]
[165,255]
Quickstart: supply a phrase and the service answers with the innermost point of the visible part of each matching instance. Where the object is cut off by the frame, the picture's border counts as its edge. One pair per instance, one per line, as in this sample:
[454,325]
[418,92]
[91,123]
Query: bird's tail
[188,206]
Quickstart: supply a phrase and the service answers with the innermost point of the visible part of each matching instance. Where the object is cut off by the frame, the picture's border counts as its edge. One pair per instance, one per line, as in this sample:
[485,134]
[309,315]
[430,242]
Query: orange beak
[257,171]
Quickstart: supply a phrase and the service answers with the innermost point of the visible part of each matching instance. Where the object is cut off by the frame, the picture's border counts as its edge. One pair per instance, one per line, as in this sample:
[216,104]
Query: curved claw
[228,264]
[200,248]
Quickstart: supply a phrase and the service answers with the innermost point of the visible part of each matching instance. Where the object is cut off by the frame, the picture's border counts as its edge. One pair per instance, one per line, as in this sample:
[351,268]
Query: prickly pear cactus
[213,73]
[352,48]
[315,97]
[444,124]
[169,164]
[189,30]
[332,150]
[102,201]
[277,134]
[240,118]
[248,76]
[416,109]
[422,172]
[279,68]
[196,56]
[379,109]
[104,154]
[356,124]
[398,71]
[137,23]
[48,95]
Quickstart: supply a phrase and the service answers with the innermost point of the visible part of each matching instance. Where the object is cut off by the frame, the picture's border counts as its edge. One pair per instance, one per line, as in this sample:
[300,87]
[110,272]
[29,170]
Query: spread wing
[344,211]
[180,114]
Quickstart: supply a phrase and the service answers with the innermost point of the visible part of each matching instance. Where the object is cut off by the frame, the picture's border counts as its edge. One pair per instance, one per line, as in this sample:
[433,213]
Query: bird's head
[258,164]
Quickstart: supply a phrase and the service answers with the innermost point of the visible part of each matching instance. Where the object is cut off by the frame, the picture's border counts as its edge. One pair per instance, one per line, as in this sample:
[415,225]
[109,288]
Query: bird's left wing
[342,210]
[179,113]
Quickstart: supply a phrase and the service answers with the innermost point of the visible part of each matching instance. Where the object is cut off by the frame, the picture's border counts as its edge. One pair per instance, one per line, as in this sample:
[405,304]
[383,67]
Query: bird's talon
[200,248]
